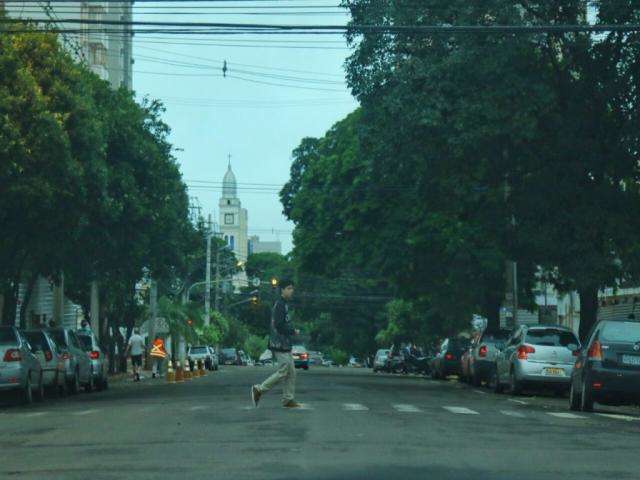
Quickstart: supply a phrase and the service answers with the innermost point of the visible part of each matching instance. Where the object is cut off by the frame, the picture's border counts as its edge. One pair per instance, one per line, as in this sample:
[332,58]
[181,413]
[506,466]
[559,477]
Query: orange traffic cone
[171,376]
[179,373]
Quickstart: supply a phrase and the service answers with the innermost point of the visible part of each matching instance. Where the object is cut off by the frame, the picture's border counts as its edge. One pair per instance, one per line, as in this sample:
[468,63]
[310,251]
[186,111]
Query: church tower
[233,223]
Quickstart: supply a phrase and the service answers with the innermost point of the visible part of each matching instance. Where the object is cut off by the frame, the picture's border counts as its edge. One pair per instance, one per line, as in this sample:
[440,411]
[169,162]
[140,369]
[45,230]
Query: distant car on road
[315,358]
[447,360]
[229,356]
[607,369]
[98,358]
[244,358]
[199,353]
[355,362]
[20,369]
[77,364]
[50,358]
[381,361]
[300,356]
[536,355]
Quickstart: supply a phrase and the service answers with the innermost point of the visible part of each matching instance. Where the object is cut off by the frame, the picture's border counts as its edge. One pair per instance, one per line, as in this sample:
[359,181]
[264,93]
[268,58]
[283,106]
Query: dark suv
[447,360]
[608,367]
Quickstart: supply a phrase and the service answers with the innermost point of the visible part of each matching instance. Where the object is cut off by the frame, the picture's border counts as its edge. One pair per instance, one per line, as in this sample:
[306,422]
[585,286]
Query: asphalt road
[355,425]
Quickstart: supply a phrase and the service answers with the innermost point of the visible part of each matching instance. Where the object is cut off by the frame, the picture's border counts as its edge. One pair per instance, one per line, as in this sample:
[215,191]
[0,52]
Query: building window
[232,242]
[226,239]
[97,54]
[228,202]
[228,218]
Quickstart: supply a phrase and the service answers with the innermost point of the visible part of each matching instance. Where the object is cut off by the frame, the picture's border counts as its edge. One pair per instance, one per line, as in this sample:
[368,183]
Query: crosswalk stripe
[404,408]
[354,407]
[461,410]
[197,407]
[514,400]
[511,413]
[480,392]
[566,415]
[618,416]
[85,412]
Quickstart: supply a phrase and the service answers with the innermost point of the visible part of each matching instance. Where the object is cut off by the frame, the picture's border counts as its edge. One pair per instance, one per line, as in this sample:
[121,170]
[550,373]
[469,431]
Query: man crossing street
[280,344]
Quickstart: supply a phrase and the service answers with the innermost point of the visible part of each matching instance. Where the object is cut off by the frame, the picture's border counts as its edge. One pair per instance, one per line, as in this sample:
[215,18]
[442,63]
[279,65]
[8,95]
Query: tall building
[234,224]
[108,55]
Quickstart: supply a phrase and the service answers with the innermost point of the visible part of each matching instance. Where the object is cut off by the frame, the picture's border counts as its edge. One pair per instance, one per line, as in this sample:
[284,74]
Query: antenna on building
[224,68]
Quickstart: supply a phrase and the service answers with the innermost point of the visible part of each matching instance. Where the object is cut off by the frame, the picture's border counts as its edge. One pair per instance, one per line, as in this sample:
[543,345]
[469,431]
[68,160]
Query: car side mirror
[573,347]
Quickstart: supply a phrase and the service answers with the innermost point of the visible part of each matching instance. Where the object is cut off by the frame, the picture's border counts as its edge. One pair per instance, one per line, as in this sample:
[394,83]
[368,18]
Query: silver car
[98,359]
[483,354]
[536,355]
[77,364]
[199,353]
[20,369]
[381,361]
[51,360]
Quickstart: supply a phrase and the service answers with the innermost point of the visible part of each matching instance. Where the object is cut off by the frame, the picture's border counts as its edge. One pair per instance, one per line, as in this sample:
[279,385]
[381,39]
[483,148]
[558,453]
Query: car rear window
[496,337]
[7,335]
[58,337]
[37,341]
[458,344]
[551,337]
[198,350]
[621,332]
[85,342]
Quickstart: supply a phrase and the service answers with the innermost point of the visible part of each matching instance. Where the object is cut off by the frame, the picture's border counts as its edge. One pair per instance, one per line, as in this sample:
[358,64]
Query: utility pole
[217,294]
[207,293]
[153,311]
[94,312]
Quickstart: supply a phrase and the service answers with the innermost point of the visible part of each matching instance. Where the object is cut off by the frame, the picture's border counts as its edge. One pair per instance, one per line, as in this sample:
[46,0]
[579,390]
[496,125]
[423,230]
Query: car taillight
[304,356]
[482,352]
[524,351]
[94,355]
[576,353]
[12,355]
[48,355]
[595,351]
[449,356]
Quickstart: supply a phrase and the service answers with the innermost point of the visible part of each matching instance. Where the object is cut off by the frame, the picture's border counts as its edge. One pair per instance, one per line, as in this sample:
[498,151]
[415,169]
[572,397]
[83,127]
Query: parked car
[381,362]
[396,359]
[327,362]
[77,364]
[214,359]
[199,353]
[300,356]
[20,369]
[51,360]
[447,360]
[483,353]
[266,358]
[229,356]
[607,369]
[355,362]
[97,357]
[315,358]
[541,355]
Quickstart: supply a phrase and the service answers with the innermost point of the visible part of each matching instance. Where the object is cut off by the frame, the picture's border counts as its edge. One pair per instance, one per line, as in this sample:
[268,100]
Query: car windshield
[7,335]
[621,332]
[198,350]
[550,337]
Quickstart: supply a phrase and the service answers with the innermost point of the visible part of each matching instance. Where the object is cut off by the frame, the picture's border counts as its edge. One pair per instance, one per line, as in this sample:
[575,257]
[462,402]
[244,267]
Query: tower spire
[229,157]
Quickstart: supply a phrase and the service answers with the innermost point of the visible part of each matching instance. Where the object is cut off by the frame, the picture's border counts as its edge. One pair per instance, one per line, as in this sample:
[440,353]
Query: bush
[339,357]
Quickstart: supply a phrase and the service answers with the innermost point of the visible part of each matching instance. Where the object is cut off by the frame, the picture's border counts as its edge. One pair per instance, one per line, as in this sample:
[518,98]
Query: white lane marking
[461,410]
[404,408]
[566,415]
[354,407]
[84,412]
[511,413]
[35,414]
[198,407]
[619,416]
[521,402]
[303,406]
[480,392]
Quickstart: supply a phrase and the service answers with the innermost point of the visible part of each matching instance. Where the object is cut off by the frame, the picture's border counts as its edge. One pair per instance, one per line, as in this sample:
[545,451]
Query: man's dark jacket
[281,328]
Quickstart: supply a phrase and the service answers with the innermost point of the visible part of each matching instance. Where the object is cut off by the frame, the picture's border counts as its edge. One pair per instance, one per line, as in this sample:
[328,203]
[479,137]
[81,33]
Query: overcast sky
[259,125]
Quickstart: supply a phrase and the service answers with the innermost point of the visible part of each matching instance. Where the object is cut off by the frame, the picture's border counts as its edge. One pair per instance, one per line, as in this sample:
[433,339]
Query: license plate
[554,372]
[631,360]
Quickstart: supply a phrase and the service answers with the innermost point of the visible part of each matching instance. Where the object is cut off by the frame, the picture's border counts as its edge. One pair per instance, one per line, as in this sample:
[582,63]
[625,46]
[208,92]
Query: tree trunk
[588,310]
[27,298]
[492,312]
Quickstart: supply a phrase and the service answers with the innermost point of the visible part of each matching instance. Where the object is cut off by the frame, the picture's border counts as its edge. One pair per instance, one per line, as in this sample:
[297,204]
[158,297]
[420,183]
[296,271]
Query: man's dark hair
[285,282]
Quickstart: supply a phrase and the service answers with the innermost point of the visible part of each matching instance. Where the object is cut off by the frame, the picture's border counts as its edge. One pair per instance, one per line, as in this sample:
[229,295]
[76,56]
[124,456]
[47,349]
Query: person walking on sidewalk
[158,354]
[280,344]
[136,349]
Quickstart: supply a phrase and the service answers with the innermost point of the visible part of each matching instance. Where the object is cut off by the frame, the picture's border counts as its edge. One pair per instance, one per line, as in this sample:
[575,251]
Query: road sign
[255,282]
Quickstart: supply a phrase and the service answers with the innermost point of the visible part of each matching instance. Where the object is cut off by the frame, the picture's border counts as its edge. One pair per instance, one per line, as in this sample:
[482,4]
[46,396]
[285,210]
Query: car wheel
[516,386]
[574,399]
[75,383]
[586,397]
[40,390]
[27,393]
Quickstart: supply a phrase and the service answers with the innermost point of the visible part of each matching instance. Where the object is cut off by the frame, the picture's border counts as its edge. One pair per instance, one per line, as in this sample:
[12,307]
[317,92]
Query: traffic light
[274,282]
[254,300]
[189,322]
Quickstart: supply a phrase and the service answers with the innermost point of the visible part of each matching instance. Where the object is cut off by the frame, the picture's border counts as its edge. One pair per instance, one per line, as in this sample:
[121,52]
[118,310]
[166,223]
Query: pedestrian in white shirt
[136,349]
